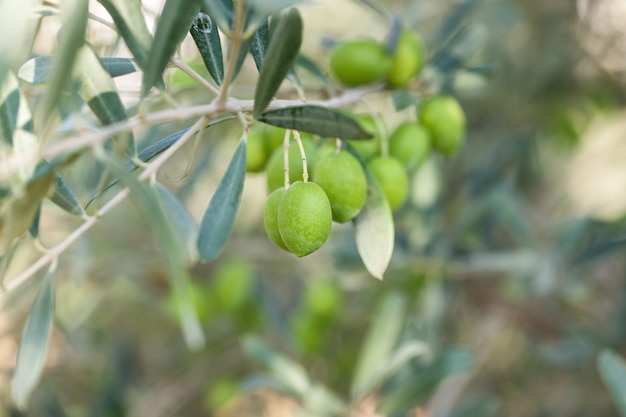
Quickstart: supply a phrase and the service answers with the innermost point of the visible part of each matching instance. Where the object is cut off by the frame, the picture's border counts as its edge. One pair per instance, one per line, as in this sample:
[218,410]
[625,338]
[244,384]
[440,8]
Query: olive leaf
[318,120]
[100,93]
[64,197]
[31,354]
[219,217]
[130,23]
[379,343]
[281,53]
[373,228]
[207,39]
[179,277]
[259,43]
[71,39]
[612,370]
[37,70]
[172,26]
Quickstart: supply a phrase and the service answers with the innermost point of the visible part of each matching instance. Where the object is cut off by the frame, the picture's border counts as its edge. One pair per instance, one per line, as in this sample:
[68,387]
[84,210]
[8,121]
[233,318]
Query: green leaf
[612,370]
[419,386]
[179,277]
[100,93]
[13,109]
[37,70]
[207,39]
[269,7]
[374,229]
[173,25]
[281,53]
[16,31]
[64,197]
[71,39]
[259,43]
[129,20]
[241,57]
[311,67]
[381,339]
[403,99]
[16,215]
[31,355]
[34,225]
[219,217]
[221,12]
[318,120]
[284,370]
[181,221]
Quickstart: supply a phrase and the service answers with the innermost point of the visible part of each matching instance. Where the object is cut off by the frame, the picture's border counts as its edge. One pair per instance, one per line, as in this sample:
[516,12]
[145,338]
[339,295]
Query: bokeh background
[509,256]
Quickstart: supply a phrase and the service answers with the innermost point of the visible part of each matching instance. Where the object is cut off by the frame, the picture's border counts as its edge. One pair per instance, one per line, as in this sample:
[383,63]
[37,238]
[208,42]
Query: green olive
[274,137]
[275,168]
[270,217]
[410,143]
[392,178]
[443,117]
[359,62]
[256,153]
[304,218]
[407,61]
[367,148]
[342,178]
[233,282]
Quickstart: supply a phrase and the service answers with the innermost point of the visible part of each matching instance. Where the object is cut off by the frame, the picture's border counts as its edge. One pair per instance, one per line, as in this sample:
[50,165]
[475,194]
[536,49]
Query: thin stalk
[286,157]
[305,171]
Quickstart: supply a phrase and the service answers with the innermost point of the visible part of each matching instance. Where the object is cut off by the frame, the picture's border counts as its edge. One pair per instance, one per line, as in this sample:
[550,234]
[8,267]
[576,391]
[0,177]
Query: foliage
[182,305]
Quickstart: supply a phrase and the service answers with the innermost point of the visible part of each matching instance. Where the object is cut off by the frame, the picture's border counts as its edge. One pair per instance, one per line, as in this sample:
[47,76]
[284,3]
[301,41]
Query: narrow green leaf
[31,355]
[381,339]
[34,225]
[219,217]
[207,39]
[129,20]
[318,120]
[284,370]
[403,99]
[181,221]
[281,53]
[241,57]
[173,25]
[37,70]
[16,31]
[311,67]
[155,213]
[64,197]
[100,93]
[17,214]
[612,370]
[71,39]
[10,98]
[374,229]
[259,43]
[221,12]
[269,7]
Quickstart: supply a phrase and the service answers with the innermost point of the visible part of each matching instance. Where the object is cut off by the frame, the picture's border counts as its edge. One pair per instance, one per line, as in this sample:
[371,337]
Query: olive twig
[236,39]
[180,64]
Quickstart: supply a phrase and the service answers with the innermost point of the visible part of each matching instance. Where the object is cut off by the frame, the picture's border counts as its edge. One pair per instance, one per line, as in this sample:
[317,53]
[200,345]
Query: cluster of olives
[298,217]
[365,61]
[298,213]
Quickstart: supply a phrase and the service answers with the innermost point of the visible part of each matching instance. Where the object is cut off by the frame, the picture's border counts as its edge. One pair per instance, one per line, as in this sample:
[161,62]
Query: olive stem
[193,74]
[236,40]
[338,145]
[305,171]
[286,157]
[53,253]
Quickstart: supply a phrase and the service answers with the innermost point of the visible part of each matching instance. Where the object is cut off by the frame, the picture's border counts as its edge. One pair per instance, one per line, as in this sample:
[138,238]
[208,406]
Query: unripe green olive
[304,218]
[270,217]
[342,178]
[275,168]
[256,152]
[443,117]
[359,62]
[274,137]
[392,178]
[367,148]
[410,143]
[407,61]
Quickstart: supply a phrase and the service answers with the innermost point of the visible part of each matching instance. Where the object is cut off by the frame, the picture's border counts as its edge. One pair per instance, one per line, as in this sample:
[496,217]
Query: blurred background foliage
[509,261]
